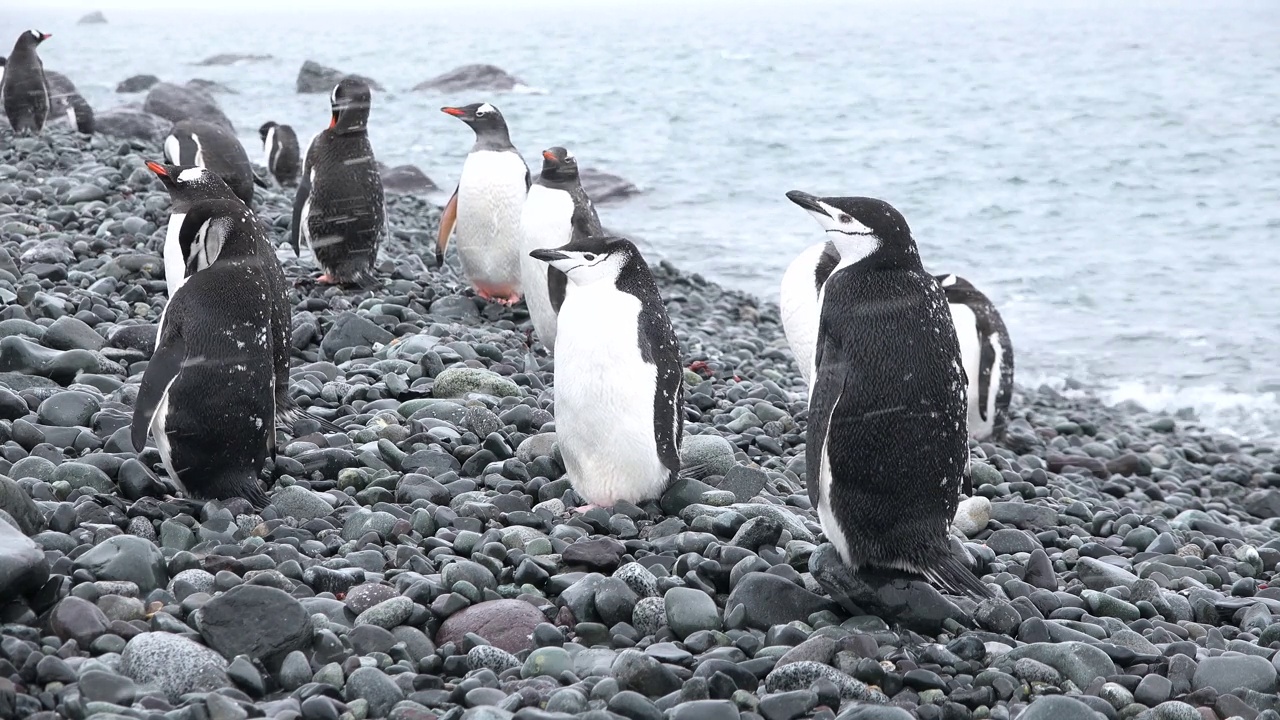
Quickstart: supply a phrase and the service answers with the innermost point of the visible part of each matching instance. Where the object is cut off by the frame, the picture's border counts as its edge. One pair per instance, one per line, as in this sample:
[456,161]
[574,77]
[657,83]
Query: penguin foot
[502,297]
[326,279]
[584,508]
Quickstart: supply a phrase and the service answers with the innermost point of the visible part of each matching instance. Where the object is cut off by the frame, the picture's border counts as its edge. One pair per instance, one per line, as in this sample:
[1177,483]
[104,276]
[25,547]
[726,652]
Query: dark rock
[478,77]
[69,333]
[1058,708]
[79,620]
[94,18]
[636,671]
[599,555]
[771,600]
[177,102]
[351,330]
[602,187]
[137,84]
[507,624]
[406,179]
[233,59]
[20,507]
[126,557]
[124,122]
[23,566]
[316,78]
[255,620]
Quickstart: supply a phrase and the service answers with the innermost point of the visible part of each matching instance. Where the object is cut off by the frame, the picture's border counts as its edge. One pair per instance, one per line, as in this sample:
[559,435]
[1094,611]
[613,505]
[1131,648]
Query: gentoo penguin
[798,301]
[556,212]
[199,198]
[205,144]
[339,208]
[208,395]
[619,399]
[487,206]
[280,151]
[26,97]
[886,448]
[987,353]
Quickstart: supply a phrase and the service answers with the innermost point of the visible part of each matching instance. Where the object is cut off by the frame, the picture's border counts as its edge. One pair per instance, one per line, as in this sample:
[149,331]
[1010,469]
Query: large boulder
[137,84]
[130,122]
[178,102]
[210,86]
[603,187]
[94,18]
[471,77]
[233,59]
[406,180]
[316,78]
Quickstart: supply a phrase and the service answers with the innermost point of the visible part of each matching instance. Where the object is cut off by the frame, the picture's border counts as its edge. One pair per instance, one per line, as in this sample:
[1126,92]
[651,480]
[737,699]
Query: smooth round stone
[549,661]
[689,611]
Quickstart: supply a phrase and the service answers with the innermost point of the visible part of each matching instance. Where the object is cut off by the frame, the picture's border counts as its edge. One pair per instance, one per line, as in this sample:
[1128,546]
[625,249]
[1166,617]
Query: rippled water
[1108,173]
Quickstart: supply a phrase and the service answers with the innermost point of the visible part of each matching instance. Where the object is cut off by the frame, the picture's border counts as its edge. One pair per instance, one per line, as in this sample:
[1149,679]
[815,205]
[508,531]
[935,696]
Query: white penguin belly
[545,223]
[162,440]
[993,387]
[971,357]
[604,399]
[800,310]
[175,265]
[491,197]
[268,145]
[826,517]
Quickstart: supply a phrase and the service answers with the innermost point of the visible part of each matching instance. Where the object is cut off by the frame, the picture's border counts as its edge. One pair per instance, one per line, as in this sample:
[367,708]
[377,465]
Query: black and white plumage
[618,379]
[194,143]
[25,94]
[798,301]
[556,212]
[988,356]
[339,208]
[280,152]
[199,198]
[208,395]
[486,207]
[887,450]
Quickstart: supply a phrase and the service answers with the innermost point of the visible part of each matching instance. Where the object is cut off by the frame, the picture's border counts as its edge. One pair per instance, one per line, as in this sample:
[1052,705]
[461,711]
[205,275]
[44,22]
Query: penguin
[798,301]
[619,406]
[280,151]
[208,395]
[487,207]
[339,207]
[196,142]
[988,356]
[26,97]
[199,196]
[887,450]
[557,211]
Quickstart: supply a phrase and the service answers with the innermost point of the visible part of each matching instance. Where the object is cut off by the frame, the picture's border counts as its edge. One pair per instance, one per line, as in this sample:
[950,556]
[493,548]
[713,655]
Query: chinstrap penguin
[485,209]
[25,94]
[208,395]
[798,301]
[199,197]
[205,144]
[556,212]
[988,356]
[280,152]
[887,450]
[339,208]
[619,398]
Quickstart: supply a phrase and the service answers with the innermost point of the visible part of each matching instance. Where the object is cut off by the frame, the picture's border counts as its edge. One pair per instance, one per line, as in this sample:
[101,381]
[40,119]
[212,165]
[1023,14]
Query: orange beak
[456,112]
[157,168]
[550,156]
[45,36]
[333,122]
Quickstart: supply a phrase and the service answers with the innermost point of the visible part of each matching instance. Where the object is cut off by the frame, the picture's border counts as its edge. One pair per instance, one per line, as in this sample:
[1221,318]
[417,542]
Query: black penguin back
[960,291]
[285,156]
[215,356]
[346,217]
[222,153]
[888,418]
[24,90]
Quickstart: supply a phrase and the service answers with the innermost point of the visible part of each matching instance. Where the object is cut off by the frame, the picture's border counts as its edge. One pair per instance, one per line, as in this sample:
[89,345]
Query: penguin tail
[252,491]
[287,417]
[957,579]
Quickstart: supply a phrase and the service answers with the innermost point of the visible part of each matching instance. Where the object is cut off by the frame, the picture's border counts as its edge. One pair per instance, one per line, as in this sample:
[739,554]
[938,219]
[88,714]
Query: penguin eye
[481,113]
[845,219]
[588,257]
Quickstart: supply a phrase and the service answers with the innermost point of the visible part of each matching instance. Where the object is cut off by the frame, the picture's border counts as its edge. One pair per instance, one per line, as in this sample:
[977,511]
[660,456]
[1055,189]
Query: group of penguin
[903,366]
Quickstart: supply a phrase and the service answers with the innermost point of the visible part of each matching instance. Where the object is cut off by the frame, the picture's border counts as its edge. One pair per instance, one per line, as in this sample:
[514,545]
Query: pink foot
[583,509]
[326,280]
[501,295]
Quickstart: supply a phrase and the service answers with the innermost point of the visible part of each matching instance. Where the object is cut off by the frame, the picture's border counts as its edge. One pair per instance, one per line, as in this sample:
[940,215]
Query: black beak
[548,255]
[806,201]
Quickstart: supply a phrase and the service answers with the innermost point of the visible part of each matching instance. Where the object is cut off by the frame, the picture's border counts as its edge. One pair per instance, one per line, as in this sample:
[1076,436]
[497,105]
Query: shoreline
[1133,551]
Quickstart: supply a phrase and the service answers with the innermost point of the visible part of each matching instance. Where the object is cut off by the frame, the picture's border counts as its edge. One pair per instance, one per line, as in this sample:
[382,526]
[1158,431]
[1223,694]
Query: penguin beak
[806,201]
[45,36]
[546,255]
[456,112]
[550,157]
[157,168]
[333,122]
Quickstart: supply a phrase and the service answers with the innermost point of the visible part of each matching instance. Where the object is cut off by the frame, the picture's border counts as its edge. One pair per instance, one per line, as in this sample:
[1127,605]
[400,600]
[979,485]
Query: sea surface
[1107,172]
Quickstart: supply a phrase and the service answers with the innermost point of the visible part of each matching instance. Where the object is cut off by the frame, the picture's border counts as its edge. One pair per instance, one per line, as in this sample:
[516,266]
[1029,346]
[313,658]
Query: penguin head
[187,185]
[483,118]
[350,103]
[266,129]
[559,165]
[858,226]
[32,38]
[591,259]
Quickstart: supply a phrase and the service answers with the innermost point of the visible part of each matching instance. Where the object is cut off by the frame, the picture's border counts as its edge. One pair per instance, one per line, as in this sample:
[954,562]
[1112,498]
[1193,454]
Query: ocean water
[1108,173]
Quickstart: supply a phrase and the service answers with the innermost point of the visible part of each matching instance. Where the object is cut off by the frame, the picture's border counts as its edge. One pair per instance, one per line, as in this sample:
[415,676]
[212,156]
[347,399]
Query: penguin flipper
[259,180]
[447,221]
[166,363]
[824,393]
[299,202]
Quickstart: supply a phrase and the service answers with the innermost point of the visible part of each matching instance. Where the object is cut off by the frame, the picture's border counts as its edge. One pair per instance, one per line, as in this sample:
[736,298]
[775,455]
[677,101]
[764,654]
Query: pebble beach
[422,565]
